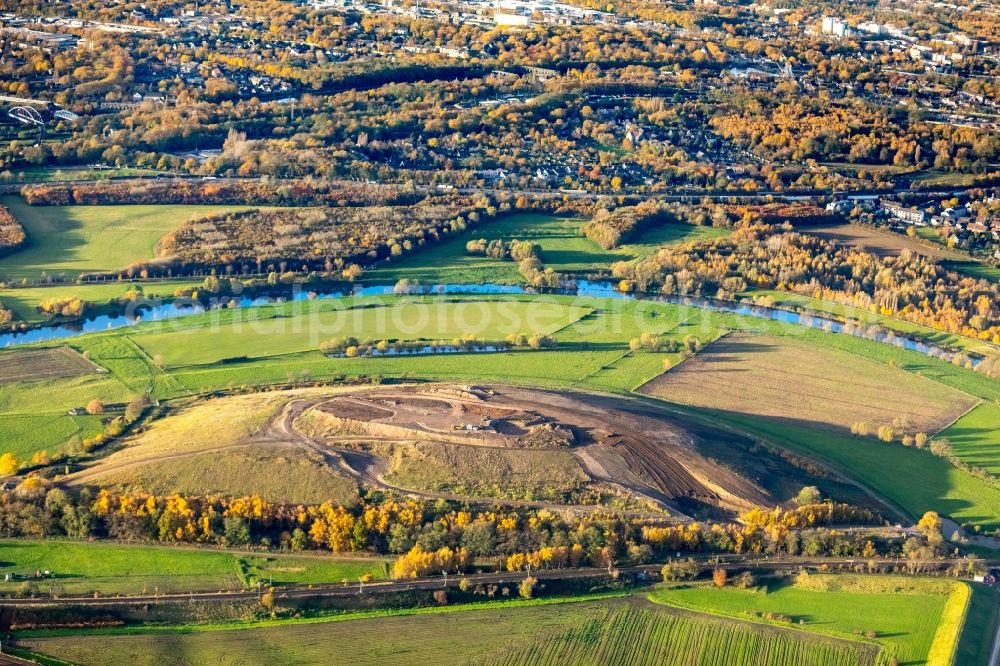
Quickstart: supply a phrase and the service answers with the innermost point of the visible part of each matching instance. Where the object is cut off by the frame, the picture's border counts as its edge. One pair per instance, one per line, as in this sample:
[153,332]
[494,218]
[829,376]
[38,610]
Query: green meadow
[974,437]
[65,241]
[904,622]
[111,568]
[23,301]
[919,481]
[606,631]
[564,249]
[272,333]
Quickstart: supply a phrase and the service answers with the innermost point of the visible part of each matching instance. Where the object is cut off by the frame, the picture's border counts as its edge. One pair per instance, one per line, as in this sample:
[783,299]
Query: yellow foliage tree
[8,464]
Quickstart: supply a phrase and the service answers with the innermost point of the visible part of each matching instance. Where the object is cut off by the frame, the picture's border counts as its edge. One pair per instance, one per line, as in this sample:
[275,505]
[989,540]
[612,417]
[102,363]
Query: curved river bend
[582,288]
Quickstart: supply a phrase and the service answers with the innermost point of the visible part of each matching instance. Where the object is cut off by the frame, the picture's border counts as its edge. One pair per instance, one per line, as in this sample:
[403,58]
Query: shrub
[720,577]
[808,495]
[674,570]
[527,587]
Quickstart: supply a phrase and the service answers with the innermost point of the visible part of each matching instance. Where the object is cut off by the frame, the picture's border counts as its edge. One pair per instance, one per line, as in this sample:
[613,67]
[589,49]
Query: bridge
[27,115]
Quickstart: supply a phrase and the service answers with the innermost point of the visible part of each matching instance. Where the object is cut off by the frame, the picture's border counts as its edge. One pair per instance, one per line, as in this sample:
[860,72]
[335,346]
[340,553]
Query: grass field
[23,301]
[629,371]
[800,382]
[65,241]
[564,249]
[976,641]
[308,569]
[22,397]
[80,568]
[918,482]
[23,435]
[273,472]
[591,632]
[29,423]
[904,621]
[110,568]
[543,368]
[271,333]
[974,437]
[975,269]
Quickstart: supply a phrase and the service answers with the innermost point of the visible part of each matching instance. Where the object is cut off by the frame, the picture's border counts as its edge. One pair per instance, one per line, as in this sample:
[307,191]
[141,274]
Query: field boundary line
[638,389]
[849,638]
[629,353]
[961,416]
[325,619]
[589,311]
[152,367]
[606,366]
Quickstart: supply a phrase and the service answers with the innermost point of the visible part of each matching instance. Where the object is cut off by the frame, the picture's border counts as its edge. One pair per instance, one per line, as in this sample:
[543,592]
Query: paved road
[438,582]
[995,653]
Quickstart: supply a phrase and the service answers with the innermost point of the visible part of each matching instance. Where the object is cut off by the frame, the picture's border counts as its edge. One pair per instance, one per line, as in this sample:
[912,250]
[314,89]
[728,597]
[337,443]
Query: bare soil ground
[614,441]
[788,379]
[16,366]
[877,241]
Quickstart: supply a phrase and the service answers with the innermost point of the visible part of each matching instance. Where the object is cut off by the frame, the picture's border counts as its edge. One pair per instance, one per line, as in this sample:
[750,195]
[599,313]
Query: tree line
[304,192]
[454,534]
[759,255]
[12,236]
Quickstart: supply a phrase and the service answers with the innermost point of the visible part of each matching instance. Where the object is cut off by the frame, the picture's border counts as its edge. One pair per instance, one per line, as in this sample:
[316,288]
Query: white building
[834,26]
[910,215]
[871,27]
[512,20]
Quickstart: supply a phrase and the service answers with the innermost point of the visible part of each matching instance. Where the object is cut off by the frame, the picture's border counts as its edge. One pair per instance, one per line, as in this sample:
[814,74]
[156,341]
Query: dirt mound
[616,441]
[521,446]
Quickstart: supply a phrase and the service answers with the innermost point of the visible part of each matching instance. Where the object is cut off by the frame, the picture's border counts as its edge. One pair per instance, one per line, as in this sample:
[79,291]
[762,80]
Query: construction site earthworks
[568,450]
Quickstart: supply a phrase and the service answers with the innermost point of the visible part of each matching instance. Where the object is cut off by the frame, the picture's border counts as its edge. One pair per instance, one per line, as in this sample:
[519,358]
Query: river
[582,288]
